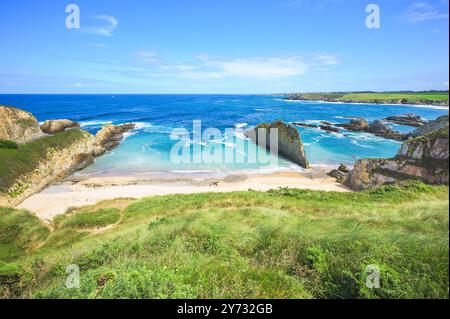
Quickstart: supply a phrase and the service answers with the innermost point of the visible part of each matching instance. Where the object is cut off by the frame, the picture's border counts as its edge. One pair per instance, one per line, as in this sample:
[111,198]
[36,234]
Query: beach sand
[88,190]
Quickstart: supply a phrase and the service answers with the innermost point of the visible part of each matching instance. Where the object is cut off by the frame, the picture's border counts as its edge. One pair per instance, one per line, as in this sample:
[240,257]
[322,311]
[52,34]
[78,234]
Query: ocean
[148,148]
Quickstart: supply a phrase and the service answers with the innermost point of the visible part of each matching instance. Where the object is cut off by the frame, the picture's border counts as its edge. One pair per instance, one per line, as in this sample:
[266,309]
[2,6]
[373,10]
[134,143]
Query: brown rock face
[110,136]
[18,125]
[58,126]
[424,158]
[290,145]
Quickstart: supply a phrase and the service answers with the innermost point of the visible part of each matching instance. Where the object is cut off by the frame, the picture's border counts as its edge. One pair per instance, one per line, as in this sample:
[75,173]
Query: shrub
[8,144]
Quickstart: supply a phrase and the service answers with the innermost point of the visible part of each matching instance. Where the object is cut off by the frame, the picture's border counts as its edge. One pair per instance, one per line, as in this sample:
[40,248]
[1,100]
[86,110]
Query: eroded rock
[290,145]
[424,158]
[18,126]
[57,126]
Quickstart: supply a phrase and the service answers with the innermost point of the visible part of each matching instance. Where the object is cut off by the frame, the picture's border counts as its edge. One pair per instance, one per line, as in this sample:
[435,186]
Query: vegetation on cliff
[279,244]
[20,161]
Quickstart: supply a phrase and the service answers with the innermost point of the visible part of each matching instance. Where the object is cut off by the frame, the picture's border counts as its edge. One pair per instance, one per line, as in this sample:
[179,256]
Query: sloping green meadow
[279,244]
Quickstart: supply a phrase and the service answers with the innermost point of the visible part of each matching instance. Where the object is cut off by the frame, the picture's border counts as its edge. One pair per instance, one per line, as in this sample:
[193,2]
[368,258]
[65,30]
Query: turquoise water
[148,147]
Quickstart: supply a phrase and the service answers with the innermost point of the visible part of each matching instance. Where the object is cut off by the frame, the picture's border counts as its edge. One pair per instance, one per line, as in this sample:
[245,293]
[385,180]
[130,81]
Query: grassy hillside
[409,97]
[17,160]
[439,98]
[280,244]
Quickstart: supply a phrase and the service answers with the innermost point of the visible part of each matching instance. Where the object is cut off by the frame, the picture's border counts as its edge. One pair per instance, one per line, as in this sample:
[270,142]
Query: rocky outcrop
[407,119]
[110,136]
[79,150]
[355,125]
[424,158]
[325,126]
[58,126]
[432,126]
[290,144]
[377,128]
[18,126]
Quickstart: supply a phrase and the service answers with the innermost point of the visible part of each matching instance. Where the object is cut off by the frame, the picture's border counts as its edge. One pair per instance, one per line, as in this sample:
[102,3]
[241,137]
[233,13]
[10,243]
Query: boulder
[424,158]
[430,127]
[341,174]
[381,129]
[344,169]
[378,126]
[18,126]
[290,145]
[57,126]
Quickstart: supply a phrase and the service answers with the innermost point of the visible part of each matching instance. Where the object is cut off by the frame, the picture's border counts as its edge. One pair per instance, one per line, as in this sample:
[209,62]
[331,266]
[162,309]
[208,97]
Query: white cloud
[107,29]
[205,67]
[422,11]
[256,67]
[78,85]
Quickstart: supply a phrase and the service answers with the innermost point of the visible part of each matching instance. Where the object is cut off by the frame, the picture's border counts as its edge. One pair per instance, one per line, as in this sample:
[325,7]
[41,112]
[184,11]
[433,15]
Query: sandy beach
[79,191]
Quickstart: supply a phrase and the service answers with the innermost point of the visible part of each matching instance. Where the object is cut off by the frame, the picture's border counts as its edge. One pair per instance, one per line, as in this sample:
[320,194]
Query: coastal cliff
[290,145]
[30,166]
[423,158]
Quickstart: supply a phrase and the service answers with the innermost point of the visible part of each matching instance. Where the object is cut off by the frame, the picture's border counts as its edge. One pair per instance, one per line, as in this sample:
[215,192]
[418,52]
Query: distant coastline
[428,98]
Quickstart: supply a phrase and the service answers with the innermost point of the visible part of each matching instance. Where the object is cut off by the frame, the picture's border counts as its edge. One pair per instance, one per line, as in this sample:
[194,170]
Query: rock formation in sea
[324,126]
[58,126]
[290,145]
[378,128]
[110,136]
[407,119]
[423,158]
[58,156]
[18,126]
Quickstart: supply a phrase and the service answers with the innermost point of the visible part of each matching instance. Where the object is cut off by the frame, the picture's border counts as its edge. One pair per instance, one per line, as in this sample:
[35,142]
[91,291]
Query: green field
[438,98]
[410,97]
[279,244]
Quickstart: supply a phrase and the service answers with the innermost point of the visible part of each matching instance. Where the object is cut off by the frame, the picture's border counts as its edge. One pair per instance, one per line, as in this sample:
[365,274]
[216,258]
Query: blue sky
[222,46]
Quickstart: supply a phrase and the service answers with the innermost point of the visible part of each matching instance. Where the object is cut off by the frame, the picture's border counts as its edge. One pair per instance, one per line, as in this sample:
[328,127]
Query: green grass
[99,218]
[279,244]
[26,158]
[381,97]
[410,97]
[19,232]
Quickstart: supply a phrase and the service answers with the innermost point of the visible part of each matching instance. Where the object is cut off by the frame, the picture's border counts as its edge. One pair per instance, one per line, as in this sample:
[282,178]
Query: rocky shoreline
[57,161]
[423,157]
